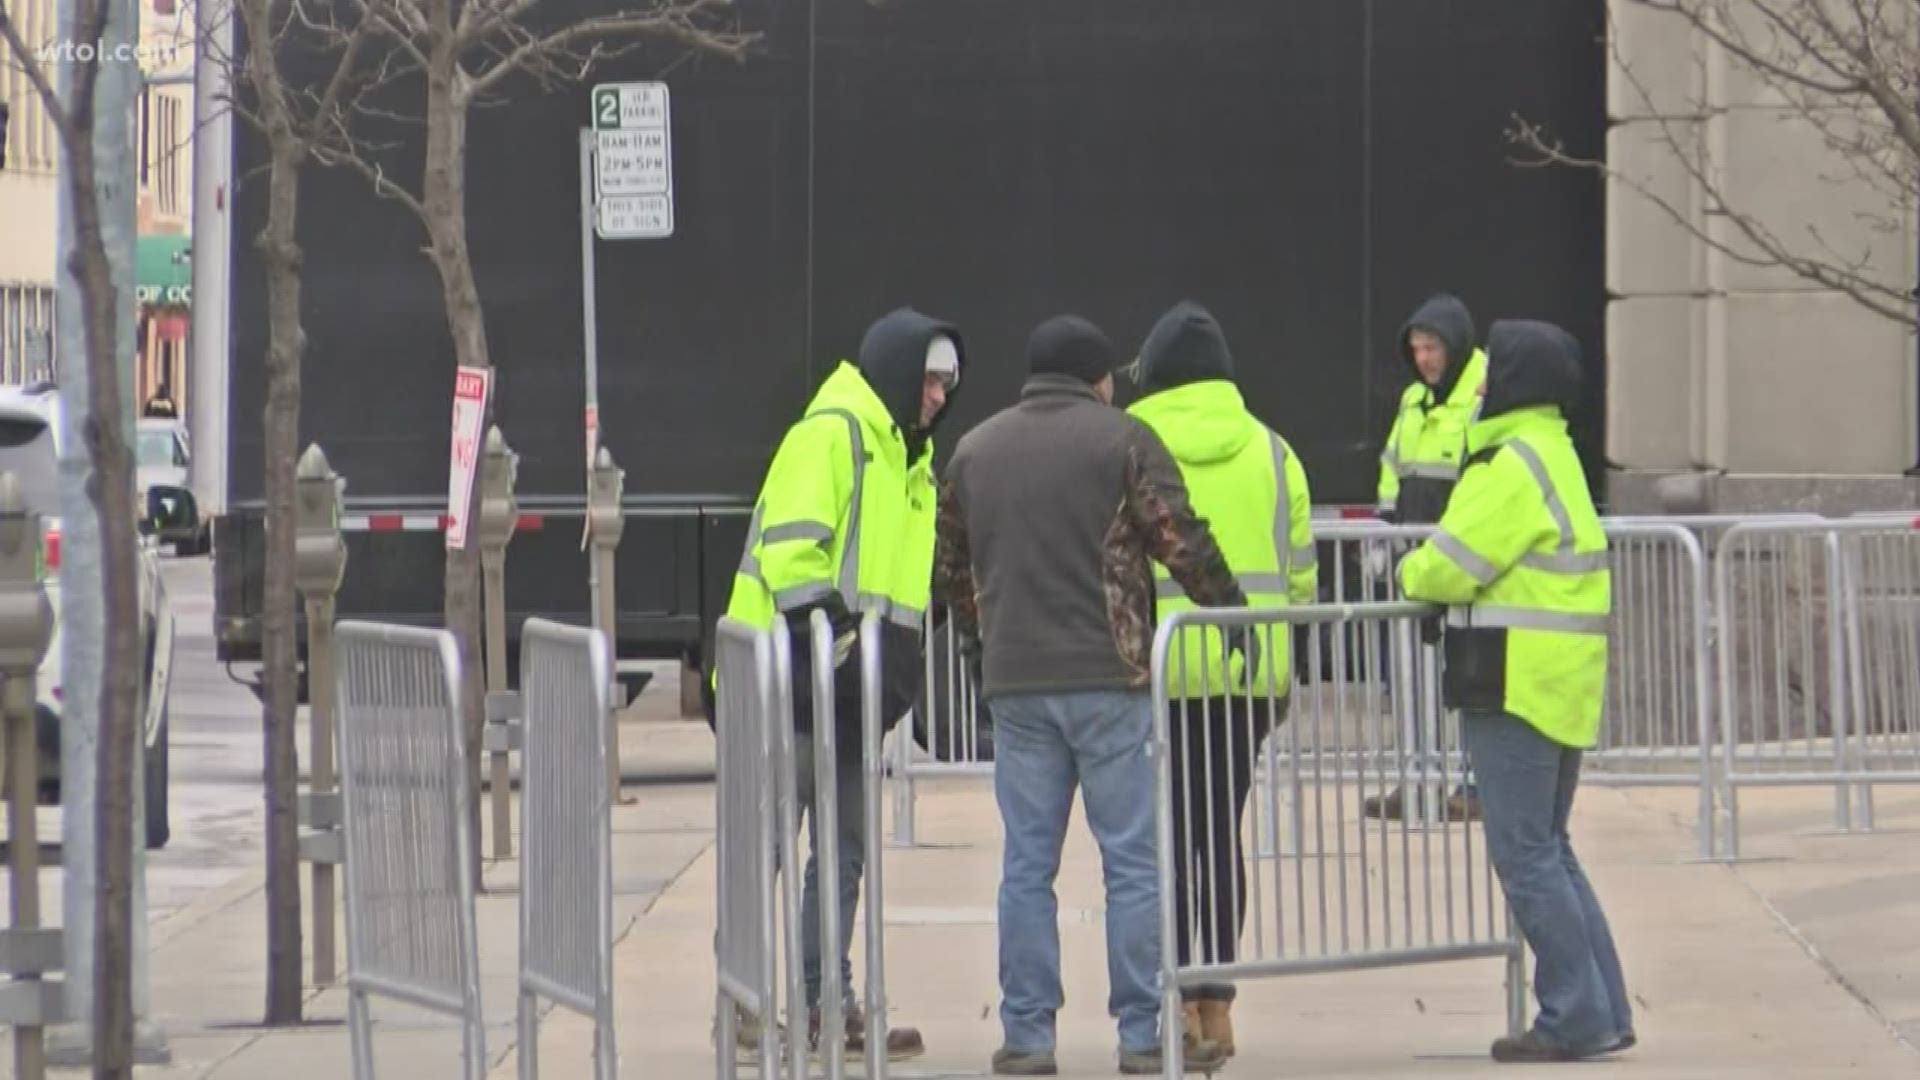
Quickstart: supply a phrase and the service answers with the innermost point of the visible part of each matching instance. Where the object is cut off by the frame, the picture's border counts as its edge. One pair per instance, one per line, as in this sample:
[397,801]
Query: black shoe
[1531,1048]
[1007,1062]
[1621,1042]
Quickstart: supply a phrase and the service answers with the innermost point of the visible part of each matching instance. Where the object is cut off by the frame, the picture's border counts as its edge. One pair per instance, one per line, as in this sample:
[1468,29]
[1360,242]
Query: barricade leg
[826,832]
[903,790]
[878,1028]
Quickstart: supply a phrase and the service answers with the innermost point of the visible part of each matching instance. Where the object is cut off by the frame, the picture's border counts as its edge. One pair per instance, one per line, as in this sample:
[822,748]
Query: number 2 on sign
[606,109]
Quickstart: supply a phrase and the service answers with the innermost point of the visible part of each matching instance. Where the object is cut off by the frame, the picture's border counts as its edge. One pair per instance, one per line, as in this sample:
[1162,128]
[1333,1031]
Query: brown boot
[1389,807]
[1216,1025]
[1195,1029]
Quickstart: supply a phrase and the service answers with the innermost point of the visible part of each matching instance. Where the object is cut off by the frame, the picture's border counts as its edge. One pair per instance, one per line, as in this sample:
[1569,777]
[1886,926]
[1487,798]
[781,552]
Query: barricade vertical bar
[873,762]
[1171,1057]
[826,833]
[781,739]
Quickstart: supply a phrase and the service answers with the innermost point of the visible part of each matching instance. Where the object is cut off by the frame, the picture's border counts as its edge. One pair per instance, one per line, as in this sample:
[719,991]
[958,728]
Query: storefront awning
[163,273]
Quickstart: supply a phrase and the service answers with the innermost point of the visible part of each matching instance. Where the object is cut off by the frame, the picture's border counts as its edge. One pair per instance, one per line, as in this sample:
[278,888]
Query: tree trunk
[111,492]
[281,253]
[445,202]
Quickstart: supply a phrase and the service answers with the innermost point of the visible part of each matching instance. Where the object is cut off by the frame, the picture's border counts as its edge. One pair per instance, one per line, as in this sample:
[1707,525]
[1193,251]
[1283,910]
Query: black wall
[1310,169]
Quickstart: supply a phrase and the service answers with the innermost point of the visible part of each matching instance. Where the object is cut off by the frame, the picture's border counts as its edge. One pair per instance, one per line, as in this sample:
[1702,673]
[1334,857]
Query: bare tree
[1848,70]
[111,493]
[294,120]
[468,50]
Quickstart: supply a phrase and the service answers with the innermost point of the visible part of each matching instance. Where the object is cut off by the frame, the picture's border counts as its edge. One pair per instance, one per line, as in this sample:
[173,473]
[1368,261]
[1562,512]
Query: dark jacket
[1051,514]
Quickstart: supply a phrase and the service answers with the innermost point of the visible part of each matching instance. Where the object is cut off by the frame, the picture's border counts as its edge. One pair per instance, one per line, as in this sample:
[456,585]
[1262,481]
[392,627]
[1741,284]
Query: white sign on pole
[470,387]
[633,161]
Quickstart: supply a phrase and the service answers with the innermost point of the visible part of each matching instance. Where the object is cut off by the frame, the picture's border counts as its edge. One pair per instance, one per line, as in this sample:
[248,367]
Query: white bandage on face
[944,360]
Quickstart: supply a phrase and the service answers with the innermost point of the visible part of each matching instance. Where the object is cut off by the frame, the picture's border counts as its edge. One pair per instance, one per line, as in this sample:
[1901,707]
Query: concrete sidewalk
[1792,968]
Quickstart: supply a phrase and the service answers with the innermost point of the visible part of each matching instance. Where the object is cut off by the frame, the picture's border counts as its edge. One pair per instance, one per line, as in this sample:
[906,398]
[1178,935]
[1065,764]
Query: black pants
[1214,743]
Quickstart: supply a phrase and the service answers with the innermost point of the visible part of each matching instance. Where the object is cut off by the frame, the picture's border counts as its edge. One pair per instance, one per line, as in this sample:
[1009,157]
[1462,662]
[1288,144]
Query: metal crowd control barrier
[955,725]
[1360,893]
[1817,660]
[759,813]
[409,848]
[566,837]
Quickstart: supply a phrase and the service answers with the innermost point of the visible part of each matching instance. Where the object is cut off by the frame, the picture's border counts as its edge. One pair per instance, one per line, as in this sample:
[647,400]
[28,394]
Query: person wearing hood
[1052,513]
[1520,560]
[844,524]
[1250,486]
[1422,458]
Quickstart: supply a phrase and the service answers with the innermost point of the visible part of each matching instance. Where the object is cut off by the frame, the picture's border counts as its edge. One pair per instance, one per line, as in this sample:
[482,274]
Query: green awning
[163,273]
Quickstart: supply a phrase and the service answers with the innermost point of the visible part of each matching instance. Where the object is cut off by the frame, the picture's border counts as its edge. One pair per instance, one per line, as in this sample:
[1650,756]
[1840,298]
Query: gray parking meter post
[605,524]
[28,952]
[319,565]
[498,515]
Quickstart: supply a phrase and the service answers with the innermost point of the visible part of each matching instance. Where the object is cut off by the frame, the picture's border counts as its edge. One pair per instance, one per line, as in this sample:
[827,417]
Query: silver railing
[1353,893]
[409,891]
[566,836]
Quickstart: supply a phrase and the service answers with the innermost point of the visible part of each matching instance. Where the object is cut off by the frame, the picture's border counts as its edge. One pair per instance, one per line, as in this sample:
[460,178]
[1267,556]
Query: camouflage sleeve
[1175,536]
[953,564]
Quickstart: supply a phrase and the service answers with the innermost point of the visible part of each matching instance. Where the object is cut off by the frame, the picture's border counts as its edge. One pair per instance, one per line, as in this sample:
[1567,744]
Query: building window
[146,139]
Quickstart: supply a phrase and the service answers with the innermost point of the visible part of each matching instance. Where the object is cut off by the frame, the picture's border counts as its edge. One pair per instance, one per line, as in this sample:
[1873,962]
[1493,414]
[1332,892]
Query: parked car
[30,442]
[167,507]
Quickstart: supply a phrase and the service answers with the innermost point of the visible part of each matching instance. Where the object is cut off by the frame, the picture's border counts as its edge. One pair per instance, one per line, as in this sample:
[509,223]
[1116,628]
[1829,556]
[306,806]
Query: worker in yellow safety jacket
[1520,560]
[1250,487]
[845,524]
[1421,463]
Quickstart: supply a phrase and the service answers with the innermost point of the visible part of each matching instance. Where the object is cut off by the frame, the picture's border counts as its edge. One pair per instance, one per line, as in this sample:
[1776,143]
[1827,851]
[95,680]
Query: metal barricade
[566,837]
[750,708]
[1357,893]
[1883,627]
[409,849]
[1657,728]
[759,817]
[955,726]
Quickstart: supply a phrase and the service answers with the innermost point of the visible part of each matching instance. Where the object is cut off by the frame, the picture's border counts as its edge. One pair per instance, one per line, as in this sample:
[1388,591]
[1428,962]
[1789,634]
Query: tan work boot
[1195,1030]
[1216,1025]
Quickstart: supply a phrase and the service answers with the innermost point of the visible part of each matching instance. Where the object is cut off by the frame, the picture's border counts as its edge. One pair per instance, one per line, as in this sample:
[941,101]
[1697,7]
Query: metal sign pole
[589,336]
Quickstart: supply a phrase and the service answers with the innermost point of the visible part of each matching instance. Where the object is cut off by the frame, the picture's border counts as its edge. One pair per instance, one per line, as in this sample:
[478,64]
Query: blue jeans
[1043,745]
[850,805]
[1527,783]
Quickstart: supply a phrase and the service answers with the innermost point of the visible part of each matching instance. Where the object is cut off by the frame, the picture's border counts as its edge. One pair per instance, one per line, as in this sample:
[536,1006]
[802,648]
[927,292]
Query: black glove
[846,626]
[1431,630]
[1245,640]
[971,654]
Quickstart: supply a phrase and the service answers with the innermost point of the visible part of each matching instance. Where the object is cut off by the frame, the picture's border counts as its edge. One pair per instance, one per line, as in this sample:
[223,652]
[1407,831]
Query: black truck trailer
[1309,169]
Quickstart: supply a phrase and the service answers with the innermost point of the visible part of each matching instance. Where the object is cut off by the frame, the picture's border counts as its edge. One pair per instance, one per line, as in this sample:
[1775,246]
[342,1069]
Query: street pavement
[1802,962]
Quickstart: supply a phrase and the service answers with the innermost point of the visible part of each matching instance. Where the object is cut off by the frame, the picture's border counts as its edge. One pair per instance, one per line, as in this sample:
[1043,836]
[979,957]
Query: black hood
[1447,318]
[1185,346]
[893,359]
[1530,363]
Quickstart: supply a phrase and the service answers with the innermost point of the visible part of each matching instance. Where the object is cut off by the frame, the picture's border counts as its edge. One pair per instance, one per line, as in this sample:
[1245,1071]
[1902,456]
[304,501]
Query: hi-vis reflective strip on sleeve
[1482,617]
[1476,566]
[818,532]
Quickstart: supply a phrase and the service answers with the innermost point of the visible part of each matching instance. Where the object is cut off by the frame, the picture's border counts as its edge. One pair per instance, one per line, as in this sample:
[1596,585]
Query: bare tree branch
[35,74]
[384,185]
[1845,69]
[675,21]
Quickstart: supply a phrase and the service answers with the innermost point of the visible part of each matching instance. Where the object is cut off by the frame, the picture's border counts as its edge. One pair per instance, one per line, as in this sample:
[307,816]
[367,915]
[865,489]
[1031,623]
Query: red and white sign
[470,387]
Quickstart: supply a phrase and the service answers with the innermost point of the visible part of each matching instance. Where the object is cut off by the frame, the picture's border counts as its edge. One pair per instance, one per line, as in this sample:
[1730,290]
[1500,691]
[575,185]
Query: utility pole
[82,593]
[206,401]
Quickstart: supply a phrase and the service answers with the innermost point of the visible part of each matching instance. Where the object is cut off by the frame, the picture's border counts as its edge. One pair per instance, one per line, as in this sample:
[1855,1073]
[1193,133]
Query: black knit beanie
[1070,345]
